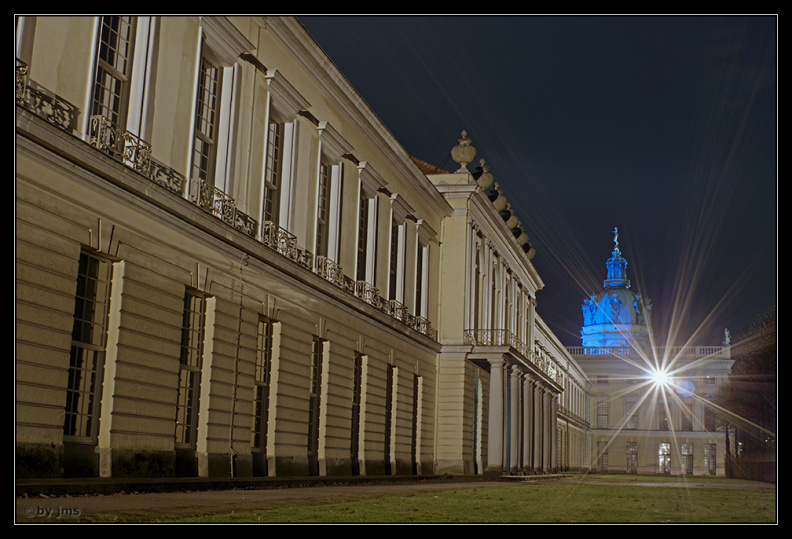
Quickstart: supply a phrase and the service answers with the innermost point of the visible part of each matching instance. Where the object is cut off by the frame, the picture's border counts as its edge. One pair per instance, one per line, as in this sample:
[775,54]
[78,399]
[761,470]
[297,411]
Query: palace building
[651,410]
[226,265]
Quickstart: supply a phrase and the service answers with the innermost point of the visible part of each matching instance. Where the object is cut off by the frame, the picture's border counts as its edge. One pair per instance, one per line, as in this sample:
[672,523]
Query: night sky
[665,127]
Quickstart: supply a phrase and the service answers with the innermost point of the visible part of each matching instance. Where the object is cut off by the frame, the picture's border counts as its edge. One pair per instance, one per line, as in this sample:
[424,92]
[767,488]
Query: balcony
[119,144]
[503,337]
[710,352]
[44,103]
[136,154]
[214,201]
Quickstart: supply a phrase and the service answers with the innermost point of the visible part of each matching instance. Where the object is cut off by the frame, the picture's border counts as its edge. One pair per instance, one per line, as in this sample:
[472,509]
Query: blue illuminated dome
[616,316]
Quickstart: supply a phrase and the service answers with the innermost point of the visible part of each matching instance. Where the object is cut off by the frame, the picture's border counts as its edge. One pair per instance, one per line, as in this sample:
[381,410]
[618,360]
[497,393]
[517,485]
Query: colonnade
[523,415]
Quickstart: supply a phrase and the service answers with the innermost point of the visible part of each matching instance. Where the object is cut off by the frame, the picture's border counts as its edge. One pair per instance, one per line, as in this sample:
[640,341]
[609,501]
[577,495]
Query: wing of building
[227,265]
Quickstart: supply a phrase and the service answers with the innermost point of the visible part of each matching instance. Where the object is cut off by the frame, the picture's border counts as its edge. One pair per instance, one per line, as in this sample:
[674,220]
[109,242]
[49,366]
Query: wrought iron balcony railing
[119,144]
[714,352]
[166,177]
[503,337]
[330,270]
[133,152]
[43,102]
[213,200]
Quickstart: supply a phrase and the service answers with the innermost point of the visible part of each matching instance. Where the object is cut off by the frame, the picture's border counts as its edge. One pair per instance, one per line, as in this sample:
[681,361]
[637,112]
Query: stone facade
[227,266]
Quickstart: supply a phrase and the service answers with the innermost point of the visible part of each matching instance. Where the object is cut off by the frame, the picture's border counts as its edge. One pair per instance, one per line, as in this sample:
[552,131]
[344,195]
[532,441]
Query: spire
[617,266]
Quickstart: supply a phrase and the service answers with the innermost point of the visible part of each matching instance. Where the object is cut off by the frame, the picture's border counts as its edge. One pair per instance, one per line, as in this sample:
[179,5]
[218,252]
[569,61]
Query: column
[495,427]
[546,432]
[515,419]
[528,405]
[537,415]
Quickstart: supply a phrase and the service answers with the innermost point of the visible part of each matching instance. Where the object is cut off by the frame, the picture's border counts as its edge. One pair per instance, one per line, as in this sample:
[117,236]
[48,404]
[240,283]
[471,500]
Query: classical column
[528,397]
[514,419]
[546,431]
[538,421]
[554,427]
[495,423]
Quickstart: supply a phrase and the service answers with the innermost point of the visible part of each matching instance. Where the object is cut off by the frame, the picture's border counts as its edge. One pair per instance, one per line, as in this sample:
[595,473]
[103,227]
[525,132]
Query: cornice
[317,64]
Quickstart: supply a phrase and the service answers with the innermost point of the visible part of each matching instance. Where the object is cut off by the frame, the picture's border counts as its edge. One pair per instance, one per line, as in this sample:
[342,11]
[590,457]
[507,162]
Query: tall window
[390,381]
[632,457]
[89,336]
[686,419]
[710,462]
[663,422]
[664,457]
[273,172]
[314,405]
[602,456]
[687,459]
[261,385]
[416,423]
[419,282]
[362,251]
[393,269]
[632,415]
[190,362]
[322,210]
[602,415]
[113,68]
[206,120]
[354,432]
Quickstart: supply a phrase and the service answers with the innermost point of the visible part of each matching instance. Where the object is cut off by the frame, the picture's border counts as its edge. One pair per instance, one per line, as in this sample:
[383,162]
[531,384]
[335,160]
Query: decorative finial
[463,153]
[486,178]
[616,238]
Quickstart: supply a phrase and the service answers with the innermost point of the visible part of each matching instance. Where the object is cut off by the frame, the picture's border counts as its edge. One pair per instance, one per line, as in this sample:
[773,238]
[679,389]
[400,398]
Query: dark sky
[662,126]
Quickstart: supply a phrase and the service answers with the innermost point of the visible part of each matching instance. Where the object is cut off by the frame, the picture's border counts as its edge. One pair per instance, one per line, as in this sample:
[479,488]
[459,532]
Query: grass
[584,501]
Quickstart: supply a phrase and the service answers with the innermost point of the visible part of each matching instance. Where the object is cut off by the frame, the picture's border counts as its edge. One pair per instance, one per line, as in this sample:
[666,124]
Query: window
[261,385]
[687,459]
[322,211]
[393,268]
[602,415]
[419,282]
[89,336]
[632,457]
[663,422]
[206,120]
[273,172]
[710,462]
[632,415]
[190,363]
[686,419]
[362,240]
[314,405]
[113,68]
[354,431]
[415,430]
[370,183]
[390,390]
[664,457]
[602,456]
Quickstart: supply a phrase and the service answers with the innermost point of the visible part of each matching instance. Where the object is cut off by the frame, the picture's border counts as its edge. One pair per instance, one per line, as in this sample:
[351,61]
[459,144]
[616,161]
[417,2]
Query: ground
[153,507]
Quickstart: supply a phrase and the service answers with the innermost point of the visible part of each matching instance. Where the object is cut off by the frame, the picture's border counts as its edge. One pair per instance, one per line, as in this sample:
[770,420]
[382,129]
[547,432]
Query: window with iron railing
[206,118]
[113,68]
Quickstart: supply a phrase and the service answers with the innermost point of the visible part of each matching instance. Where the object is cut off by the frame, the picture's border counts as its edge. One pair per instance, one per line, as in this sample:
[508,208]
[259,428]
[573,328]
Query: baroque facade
[651,410]
[227,265]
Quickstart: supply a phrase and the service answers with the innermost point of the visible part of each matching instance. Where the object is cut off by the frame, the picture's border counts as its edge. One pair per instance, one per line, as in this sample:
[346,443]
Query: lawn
[594,499]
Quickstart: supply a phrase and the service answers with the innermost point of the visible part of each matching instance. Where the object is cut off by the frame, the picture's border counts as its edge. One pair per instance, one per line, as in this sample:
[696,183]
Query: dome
[617,315]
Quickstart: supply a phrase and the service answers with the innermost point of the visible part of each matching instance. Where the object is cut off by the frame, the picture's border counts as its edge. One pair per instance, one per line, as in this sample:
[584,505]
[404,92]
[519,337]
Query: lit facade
[650,410]
[226,265]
